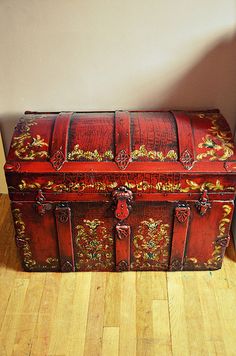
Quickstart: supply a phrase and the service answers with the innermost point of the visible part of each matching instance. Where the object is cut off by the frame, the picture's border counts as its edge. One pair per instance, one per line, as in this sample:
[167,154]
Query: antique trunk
[118,191]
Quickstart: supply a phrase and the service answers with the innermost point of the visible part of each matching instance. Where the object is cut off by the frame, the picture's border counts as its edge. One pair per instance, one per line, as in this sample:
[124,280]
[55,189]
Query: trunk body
[120,191]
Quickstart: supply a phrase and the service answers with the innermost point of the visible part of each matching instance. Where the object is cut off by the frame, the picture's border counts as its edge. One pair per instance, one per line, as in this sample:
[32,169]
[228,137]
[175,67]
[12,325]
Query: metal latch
[203,204]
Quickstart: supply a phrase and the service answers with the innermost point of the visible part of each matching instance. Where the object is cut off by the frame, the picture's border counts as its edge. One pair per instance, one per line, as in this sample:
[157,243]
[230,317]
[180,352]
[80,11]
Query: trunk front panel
[151,226]
[163,236]
[36,237]
[93,230]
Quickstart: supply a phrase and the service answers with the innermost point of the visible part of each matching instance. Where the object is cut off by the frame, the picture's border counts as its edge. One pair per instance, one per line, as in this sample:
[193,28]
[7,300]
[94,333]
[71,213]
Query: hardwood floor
[147,313]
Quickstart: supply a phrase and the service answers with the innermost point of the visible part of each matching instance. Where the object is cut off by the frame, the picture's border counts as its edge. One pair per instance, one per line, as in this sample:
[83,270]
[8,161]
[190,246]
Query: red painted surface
[71,159]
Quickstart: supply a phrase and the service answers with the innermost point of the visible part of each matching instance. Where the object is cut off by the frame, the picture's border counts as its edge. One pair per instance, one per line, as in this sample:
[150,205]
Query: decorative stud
[58,159]
[123,231]
[176,264]
[122,159]
[187,159]
[122,266]
[182,213]
[203,203]
[67,267]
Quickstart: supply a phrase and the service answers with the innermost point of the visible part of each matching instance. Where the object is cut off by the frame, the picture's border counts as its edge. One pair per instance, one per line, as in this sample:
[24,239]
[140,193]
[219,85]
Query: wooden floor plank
[211,322]
[193,313]
[110,341]
[11,321]
[144,321]
[112,300]
[161,328]
[178,322]
[61,322]
[127,344]
[79,314]
[95,321]
[29,316]
[46,315]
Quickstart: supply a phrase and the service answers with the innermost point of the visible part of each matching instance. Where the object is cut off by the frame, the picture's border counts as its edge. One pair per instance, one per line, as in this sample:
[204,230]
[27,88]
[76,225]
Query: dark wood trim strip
[185,138]
[150,167]
[122,139]
[122,247]
[106,197]
[181,223]
[64,233]
[58,153]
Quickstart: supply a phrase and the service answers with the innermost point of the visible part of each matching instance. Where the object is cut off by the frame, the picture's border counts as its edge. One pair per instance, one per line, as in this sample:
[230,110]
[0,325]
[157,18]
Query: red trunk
[122,190]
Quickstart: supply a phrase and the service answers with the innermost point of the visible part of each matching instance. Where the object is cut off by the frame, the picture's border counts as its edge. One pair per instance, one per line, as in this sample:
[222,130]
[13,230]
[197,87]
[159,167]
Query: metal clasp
[203,204]
[40,206]
[123,198]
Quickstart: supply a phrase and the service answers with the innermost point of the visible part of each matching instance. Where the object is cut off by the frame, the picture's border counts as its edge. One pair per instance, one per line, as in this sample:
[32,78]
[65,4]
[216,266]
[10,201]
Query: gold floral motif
[151,245]
[154,155]
[219,142]
[27,147]
[140,186]
[206,185]
[219,245]
[159,187]
[24,242]
[78,153]
[71,187]
[94,246]
[225,221]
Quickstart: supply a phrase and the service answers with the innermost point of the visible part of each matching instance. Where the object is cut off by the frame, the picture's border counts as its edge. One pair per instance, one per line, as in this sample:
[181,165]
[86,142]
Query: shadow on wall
[210,83]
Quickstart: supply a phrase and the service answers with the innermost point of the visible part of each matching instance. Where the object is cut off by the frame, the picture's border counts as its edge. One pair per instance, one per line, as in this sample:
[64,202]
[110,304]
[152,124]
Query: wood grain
[90,313]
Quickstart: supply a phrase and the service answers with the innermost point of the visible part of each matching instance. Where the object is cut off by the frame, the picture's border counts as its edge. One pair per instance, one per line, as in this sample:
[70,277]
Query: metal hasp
[123,198]
[40,206]
[203,204]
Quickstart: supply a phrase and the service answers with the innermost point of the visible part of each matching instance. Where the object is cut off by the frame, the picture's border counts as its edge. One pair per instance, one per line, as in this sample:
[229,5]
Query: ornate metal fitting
[40,206]
[67,267]
[122,159]
[187,159]
[122,266]
[203,203]
[63,216]
[223,241]
[22,126]
[123,198]
[13,166]
[123,231]
[58,159]
[176,264]
[182,212]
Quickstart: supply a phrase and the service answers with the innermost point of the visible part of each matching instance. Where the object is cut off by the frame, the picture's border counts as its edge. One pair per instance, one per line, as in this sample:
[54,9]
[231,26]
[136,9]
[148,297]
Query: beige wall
[116,54]
[3,186]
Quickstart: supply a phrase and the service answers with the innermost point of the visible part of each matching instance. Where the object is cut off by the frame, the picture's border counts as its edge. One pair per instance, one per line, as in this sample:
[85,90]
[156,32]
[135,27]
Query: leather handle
[64,233]
[185,139]
[58,154]
[181,223]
